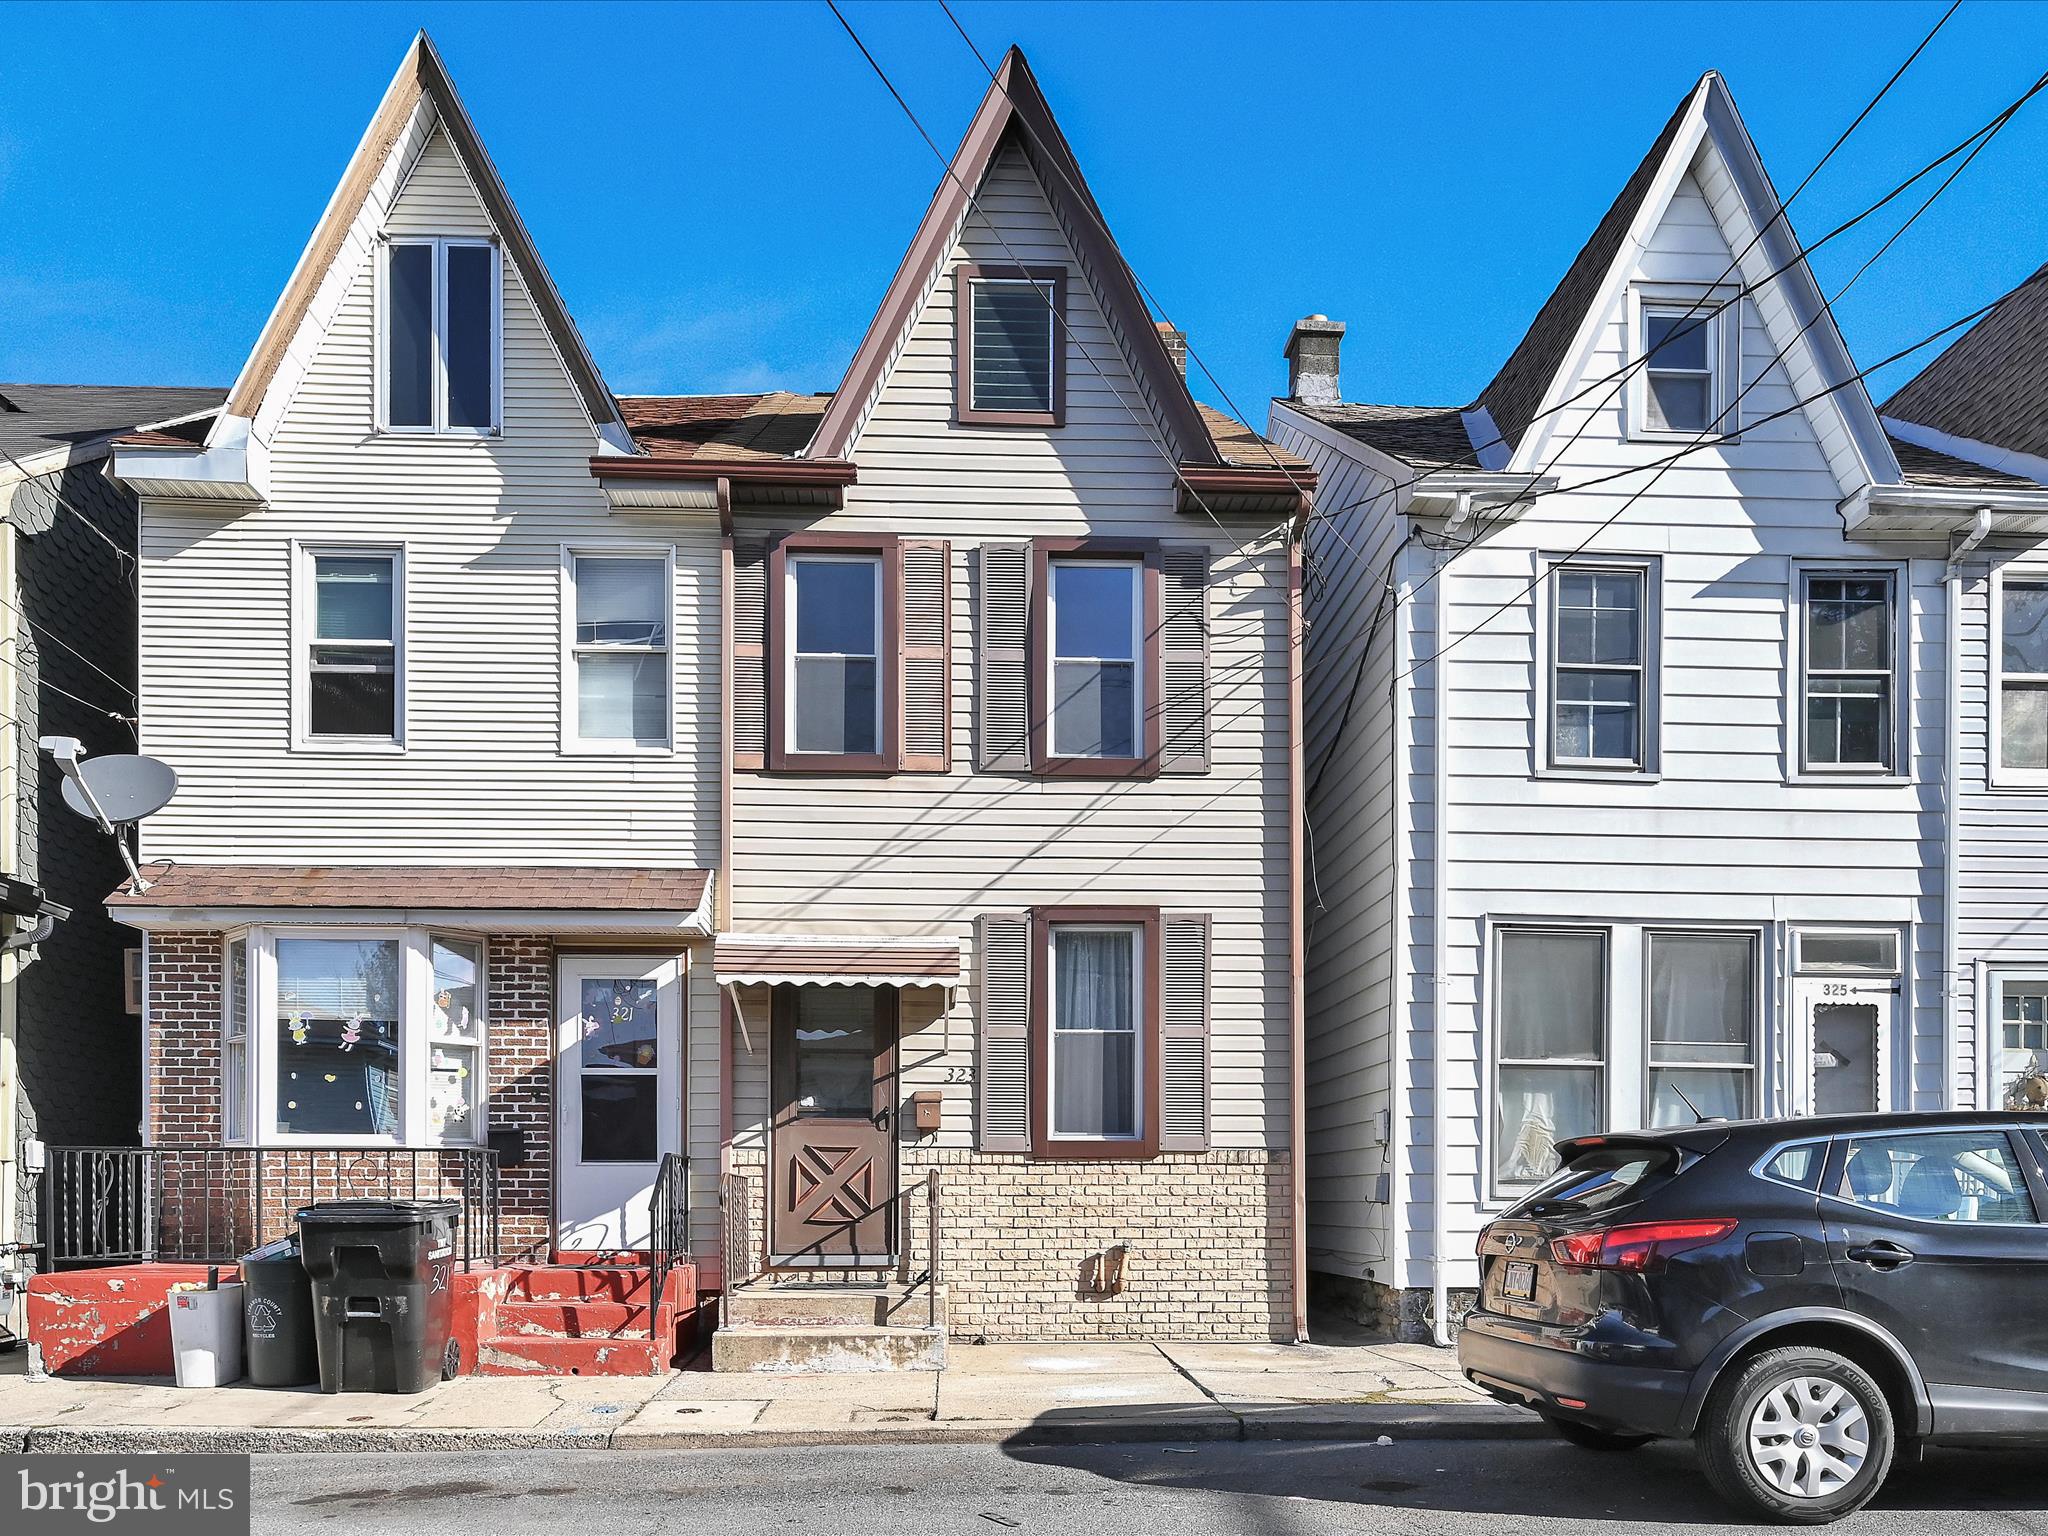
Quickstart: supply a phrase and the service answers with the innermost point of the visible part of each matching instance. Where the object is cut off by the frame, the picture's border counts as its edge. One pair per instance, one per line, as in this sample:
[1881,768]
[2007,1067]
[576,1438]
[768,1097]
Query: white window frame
[1134,568]
[439,427]
[1760,1012]
[304,611]
[1801,966]
[1798,768]
[1649,759]
[573,743]
[2000,775]
[1140,1061]
[1991,1024]
[414,1040]
[796,557]
[235,1108]
[1048,291]
[1724,335]
[1501,1189]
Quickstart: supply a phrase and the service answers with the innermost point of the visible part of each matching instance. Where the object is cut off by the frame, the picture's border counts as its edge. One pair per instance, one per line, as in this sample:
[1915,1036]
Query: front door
[618,1094]
[1849,1023]
[833,1136]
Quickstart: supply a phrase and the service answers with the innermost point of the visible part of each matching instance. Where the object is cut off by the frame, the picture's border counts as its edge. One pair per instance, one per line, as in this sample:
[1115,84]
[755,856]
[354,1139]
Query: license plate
[1518,1280]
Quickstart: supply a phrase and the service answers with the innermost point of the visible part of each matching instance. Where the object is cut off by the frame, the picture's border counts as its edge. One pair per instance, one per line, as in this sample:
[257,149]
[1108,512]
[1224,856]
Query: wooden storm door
[832,1149]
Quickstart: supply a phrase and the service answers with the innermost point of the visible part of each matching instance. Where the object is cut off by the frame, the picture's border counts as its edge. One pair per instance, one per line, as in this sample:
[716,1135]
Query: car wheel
[1801,1436]
[1588,1438]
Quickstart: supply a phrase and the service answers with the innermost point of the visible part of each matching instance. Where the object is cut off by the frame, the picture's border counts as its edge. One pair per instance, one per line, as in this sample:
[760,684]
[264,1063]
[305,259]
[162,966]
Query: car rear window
[1601,1178]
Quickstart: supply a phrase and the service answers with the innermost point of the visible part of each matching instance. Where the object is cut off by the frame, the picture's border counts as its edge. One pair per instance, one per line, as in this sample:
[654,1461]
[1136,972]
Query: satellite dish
[126,787]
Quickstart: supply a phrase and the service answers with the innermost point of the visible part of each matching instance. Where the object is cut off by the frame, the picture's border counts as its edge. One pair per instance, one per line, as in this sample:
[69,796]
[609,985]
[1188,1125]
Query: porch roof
[767,959]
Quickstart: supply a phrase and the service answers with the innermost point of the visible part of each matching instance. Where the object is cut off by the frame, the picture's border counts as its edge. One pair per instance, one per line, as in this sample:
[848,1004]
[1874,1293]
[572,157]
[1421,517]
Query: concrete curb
[1288,1423]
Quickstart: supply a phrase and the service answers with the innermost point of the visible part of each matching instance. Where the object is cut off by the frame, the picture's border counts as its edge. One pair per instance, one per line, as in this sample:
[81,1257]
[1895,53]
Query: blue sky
[722,191]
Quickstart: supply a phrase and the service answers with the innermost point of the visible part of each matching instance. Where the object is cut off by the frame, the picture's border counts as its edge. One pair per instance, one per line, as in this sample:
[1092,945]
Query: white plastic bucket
[206,1336]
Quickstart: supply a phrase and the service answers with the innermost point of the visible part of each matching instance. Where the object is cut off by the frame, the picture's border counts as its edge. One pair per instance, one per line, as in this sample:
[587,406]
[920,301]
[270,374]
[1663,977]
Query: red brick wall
[212,1207]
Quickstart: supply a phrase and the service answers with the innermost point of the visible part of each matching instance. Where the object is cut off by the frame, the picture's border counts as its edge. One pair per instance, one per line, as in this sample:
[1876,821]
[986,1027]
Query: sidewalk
[991,1392]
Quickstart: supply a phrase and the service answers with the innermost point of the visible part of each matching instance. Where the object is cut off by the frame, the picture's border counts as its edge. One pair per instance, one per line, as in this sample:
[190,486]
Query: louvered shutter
[1002,1013]
[924,602]
[1184,658]
[750,653]
[1002,684]
[1184,1033]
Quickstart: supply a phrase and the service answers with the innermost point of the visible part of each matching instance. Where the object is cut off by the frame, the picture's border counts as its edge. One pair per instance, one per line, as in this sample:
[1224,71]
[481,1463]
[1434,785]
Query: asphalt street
[1420,1486]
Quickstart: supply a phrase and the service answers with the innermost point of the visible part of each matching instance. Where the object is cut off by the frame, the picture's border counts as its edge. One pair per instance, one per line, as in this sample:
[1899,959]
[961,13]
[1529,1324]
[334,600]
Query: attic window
[440,337]
[1011,352]
[1682,347]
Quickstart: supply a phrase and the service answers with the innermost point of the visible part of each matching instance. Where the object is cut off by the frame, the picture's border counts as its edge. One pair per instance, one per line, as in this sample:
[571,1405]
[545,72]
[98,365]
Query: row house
[839,851]
[1647,732]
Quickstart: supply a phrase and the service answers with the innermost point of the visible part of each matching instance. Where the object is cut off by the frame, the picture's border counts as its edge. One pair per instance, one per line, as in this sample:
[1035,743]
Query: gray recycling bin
[382,1273]
[277,1316]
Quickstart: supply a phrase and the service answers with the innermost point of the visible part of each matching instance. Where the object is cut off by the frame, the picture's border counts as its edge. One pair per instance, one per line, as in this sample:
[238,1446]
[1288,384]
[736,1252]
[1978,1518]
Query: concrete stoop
[807,1326]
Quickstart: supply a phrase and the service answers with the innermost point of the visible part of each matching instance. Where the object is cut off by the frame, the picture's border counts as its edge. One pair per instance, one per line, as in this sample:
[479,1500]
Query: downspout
[1297,988]
[1439,1197]
[721,905]
[1951,766]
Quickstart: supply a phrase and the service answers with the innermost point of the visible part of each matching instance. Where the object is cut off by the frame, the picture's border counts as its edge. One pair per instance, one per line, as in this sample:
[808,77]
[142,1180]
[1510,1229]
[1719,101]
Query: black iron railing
[668,1229]
[212,1204]
[744,1258]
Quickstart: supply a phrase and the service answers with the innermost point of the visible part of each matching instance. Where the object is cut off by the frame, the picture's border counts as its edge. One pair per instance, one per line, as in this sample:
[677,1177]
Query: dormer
[440,335]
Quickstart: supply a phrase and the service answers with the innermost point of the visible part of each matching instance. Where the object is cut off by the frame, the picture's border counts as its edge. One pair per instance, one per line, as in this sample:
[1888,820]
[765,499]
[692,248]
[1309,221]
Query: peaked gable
[1988,386]
[1549,365]
[1014,113]
[420,99]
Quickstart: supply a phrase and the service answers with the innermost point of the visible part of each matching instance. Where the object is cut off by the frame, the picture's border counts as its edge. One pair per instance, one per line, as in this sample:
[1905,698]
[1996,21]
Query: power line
[126,557]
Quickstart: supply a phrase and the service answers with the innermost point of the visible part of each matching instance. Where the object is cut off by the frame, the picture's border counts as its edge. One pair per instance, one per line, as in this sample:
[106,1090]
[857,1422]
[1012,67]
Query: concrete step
[577,1319]
[798,1304]
[827,1349]
[577,1282]
[529,1355]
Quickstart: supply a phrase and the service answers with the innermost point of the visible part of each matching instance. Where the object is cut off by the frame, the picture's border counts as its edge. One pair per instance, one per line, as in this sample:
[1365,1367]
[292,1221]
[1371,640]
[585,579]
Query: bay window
[367,1037]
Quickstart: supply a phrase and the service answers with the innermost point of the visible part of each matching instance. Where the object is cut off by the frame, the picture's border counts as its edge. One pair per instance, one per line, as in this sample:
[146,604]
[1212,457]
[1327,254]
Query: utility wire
[126,557]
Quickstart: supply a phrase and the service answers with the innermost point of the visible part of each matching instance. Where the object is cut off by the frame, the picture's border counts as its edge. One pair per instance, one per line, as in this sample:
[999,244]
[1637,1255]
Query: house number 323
[959,1074]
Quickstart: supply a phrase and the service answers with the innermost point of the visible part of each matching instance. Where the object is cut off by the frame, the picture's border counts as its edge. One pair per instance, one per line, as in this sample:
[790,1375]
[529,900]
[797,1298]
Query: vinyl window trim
[887,551]
[1724,358]
[1999,775]
[1798,769]
[304,599]
[573,743]
[1759,1016]
[440,245]
[1648,763]
[1149,1003]
[965,276]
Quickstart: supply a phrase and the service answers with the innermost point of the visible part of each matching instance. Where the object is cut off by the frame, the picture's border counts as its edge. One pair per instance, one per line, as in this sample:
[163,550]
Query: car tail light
[1644,1246]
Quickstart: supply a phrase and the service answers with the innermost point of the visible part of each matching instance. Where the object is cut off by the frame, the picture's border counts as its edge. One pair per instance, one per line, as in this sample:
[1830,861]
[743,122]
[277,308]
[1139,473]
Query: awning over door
[767,959]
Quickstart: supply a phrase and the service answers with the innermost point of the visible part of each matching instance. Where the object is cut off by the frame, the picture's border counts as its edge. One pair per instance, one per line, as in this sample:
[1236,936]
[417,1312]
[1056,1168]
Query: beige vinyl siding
[923,853]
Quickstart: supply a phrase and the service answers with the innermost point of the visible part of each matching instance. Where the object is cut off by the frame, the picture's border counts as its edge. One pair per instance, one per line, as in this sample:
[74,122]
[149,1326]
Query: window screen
[1012,344]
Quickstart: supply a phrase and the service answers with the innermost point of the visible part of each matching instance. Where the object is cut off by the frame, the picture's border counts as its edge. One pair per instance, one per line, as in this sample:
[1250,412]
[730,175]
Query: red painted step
[577,1283]
[572,1319]
[523,1355]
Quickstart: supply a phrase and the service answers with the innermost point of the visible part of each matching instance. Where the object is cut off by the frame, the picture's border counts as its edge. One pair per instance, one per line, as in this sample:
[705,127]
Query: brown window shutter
[926,695]
[1184,659]
[1184,1033]
[1002,1012]
[1002,687]
[750,652]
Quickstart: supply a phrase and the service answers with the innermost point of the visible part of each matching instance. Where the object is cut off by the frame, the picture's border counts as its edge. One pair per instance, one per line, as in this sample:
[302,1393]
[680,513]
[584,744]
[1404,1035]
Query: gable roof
[1920,465]
[1014,110]
[421,78]
[723,429]
[36,418]
[1991,384]
[1425,437]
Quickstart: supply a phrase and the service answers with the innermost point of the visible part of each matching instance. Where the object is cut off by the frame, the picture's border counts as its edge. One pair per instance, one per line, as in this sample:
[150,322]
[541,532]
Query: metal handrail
[668,1230]
[742,1262]
[209,1204]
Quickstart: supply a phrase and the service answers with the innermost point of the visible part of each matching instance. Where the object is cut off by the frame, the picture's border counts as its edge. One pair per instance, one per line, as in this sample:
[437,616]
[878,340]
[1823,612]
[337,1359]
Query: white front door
[1850,1024]
[618,1094]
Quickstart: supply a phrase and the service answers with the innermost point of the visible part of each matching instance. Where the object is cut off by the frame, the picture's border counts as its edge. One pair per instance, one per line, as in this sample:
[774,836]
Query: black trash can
[277,1316]
[383,1273]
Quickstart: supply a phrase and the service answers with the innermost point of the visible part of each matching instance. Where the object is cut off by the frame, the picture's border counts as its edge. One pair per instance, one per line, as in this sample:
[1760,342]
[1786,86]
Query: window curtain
[1095,1042]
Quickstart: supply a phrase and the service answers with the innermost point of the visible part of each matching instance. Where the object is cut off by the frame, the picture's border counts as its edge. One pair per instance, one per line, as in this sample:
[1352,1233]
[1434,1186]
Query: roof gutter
[713,485]
[1868,507]
[1459,493]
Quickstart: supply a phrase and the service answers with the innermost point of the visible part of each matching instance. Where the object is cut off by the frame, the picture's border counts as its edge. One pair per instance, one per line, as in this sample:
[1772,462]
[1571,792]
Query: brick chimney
[1312,360]
[1176,345]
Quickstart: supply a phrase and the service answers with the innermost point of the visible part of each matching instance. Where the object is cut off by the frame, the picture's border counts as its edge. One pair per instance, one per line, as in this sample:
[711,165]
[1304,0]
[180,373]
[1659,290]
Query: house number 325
[959,1074]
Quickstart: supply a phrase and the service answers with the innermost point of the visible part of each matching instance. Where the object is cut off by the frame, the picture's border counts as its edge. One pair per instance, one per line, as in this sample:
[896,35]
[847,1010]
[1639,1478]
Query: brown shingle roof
[741,429]
[1244,448]
[524,887]
[1926,466]
[1422,436]
[1991,386]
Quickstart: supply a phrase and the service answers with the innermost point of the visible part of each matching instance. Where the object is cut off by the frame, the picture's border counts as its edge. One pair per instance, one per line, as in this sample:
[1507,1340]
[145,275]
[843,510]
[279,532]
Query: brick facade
[212,1204]
[1204,1233]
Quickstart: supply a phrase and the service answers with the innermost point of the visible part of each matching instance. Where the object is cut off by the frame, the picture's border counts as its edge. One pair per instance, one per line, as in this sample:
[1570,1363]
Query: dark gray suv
[1805,1300]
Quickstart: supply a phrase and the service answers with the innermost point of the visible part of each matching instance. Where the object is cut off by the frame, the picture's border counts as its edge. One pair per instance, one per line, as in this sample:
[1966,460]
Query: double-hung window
[1095,614]
[2023,674]
[1551,1007]
[440,337]
[1011,346]
[1680,348]
[1095,1065]
[834,693]
[234,1043]
[1600,680]
[1847,688]
[619,650]
[351,646]
[1702,1012]
[2022,1049]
